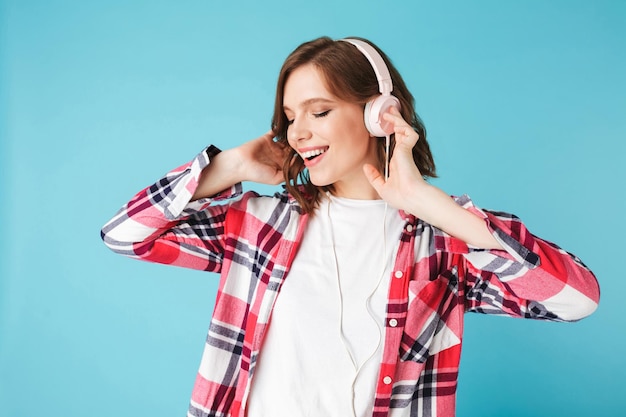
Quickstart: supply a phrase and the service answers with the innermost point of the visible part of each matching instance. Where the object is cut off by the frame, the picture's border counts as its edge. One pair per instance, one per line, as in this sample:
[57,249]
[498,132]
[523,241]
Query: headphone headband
[376,107]
[385,86]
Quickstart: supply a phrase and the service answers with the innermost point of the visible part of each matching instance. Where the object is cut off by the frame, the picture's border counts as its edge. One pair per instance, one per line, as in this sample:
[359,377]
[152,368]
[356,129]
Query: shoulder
[254,215]
[264,206]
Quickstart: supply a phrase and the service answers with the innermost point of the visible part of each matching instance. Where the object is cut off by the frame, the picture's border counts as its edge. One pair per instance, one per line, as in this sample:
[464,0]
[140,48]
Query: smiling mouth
[310,155]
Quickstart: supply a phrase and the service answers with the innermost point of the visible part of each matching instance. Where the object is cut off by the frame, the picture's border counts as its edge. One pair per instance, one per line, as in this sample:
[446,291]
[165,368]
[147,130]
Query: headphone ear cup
[373,115]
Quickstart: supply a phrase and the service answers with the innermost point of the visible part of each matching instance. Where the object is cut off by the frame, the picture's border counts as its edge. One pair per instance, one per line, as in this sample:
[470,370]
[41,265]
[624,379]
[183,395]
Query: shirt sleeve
[531,277]
[161,224]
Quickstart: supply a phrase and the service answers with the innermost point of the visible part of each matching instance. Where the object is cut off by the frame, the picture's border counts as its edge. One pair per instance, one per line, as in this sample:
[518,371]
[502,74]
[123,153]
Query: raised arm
[406,189]
[504,268]
[529,277]
[259,160]
[174,221]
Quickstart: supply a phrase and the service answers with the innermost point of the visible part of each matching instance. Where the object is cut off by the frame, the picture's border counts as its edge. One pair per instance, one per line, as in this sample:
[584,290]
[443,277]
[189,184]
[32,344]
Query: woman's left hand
[406,190]
[405,180]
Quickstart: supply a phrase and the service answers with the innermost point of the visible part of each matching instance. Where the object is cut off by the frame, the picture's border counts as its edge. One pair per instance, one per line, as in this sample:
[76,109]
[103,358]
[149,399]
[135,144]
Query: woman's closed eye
[321,114]
[317,115]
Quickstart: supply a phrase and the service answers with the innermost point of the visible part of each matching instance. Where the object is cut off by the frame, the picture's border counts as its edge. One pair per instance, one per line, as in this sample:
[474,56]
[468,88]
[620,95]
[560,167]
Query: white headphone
[374,109]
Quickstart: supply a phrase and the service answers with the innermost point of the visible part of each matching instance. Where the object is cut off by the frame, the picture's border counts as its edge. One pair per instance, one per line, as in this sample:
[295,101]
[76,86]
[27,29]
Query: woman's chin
[319,182]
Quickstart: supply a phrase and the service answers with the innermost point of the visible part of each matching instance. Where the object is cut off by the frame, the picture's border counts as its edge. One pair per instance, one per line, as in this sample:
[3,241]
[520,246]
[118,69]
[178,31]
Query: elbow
[106,239]
[571,305]
[583,308]
[117,244]
[110,242]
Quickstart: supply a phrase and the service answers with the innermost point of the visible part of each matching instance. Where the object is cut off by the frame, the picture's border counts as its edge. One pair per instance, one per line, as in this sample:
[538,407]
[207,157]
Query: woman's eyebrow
[310,101]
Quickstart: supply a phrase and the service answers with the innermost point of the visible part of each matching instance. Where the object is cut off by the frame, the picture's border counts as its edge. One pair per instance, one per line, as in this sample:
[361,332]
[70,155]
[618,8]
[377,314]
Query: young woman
[343,295]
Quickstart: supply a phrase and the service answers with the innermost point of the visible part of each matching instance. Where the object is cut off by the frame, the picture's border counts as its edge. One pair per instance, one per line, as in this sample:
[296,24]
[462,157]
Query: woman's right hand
[259,160]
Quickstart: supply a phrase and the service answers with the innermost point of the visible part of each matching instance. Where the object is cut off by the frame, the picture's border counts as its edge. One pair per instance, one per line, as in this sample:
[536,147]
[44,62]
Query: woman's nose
[298,130]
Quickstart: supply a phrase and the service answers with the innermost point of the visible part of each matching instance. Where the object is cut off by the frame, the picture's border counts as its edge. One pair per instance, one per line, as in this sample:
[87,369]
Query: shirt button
[409,228]
[387,380]
[393,322]
[398,274]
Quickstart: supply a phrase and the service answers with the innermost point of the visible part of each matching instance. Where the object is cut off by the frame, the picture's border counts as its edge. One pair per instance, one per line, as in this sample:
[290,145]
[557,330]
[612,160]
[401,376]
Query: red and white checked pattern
[251,241]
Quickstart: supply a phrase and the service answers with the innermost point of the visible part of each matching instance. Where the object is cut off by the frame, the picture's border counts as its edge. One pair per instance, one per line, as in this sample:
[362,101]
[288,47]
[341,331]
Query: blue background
[524,103]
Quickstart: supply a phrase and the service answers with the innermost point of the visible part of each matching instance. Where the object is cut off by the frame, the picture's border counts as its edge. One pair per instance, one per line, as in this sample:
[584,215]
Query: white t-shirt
[306,367]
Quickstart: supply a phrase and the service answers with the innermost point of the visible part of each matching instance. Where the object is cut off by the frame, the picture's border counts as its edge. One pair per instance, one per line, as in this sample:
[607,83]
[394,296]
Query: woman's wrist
[435,207]
[426,201]
[221,174]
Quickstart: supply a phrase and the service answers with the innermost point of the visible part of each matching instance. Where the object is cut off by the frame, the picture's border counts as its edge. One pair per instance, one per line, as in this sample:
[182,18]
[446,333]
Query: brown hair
[350,77]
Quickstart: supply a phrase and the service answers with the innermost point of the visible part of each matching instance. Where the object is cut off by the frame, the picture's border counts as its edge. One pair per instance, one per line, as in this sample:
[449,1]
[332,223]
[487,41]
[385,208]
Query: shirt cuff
[507,229]
[183,182]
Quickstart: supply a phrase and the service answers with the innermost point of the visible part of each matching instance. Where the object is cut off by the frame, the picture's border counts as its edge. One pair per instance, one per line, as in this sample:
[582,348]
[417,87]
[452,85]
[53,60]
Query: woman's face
[329,134]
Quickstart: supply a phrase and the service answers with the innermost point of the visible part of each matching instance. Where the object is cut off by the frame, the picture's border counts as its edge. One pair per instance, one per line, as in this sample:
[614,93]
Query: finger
[267,136]
[400,126]
[406,136]
[278,178]
[277,149]
[392,115]
[282,151]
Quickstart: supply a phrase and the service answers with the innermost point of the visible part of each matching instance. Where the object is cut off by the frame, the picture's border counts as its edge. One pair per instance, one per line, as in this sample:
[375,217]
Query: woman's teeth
[312,154]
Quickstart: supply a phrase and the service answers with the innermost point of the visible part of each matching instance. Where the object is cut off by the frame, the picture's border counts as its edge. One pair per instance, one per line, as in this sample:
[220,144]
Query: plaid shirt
[252,240]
